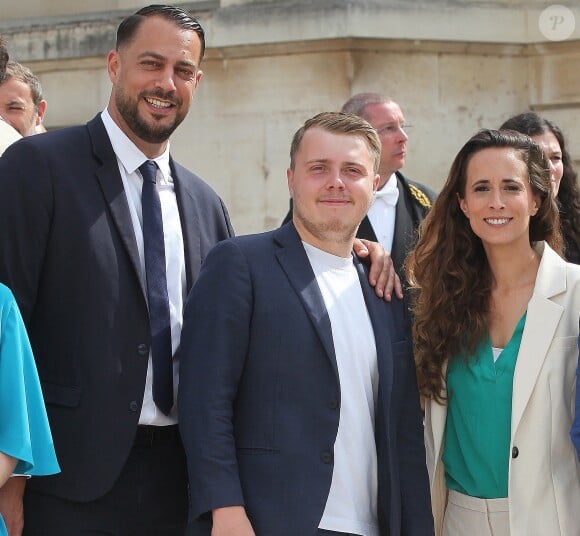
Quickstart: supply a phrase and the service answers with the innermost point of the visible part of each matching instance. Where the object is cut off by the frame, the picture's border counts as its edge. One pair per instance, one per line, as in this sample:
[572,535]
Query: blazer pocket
[61,395]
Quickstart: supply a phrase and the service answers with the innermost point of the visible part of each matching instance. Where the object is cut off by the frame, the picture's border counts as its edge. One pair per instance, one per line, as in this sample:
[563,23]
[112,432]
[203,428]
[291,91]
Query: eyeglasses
[391,129]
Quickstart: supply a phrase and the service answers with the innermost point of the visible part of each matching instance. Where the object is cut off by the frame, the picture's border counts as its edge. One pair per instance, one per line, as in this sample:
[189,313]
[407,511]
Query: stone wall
[454,66]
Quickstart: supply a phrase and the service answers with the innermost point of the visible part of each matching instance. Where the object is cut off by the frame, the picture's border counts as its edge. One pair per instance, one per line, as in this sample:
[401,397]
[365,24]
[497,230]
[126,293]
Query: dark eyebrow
[508,180]
[513,180]
[160,57]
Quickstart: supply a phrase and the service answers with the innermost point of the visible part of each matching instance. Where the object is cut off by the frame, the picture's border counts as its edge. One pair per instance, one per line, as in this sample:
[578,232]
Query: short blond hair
[340,123]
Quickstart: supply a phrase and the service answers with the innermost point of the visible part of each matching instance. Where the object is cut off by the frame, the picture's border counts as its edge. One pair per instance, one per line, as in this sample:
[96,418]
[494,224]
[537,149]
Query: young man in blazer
[298,404]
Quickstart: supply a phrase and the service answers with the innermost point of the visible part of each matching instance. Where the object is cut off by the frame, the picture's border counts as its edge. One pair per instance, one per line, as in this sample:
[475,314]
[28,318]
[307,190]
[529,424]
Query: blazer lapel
[378,315]
[296,266]
[112,186]
[542,320]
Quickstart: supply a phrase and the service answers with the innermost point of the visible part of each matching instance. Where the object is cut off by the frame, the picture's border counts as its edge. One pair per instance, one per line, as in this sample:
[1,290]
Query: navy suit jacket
[259,398]
[68,252]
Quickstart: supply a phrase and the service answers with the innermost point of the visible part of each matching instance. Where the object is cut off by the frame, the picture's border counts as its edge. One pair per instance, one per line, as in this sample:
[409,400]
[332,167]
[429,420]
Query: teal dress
[24,431]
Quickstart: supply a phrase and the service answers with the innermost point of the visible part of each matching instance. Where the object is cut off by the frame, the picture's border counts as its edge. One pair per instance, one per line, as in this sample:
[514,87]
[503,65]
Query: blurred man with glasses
[400,204]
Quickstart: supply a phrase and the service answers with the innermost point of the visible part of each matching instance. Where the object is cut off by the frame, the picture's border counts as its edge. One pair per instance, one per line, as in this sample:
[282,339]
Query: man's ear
[290,177]
[113,64]
[41,110]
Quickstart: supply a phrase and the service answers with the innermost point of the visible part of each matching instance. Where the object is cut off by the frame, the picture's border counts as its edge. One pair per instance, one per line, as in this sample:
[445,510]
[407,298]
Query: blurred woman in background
[564,178]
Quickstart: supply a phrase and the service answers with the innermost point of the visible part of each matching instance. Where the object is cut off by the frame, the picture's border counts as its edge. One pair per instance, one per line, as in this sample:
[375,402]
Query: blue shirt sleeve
[575,432]
[24,429]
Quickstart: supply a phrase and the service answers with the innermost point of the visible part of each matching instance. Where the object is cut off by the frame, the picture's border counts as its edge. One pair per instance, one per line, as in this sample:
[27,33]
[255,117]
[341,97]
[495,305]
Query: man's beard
[335,231]
[129,111]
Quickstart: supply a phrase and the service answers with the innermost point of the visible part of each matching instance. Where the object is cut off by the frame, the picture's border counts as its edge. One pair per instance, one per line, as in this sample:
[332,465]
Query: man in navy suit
[72,250]
[298,404]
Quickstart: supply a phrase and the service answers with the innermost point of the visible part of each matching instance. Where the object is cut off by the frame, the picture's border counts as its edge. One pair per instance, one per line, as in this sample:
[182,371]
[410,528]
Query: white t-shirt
[352,501]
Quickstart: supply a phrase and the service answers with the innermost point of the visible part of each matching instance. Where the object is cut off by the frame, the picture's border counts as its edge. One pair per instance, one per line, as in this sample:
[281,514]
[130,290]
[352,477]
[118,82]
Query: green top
[478,428]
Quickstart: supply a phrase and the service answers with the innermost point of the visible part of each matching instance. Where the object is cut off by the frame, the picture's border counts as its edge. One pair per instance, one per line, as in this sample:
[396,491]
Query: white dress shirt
[129,158]
[383,212]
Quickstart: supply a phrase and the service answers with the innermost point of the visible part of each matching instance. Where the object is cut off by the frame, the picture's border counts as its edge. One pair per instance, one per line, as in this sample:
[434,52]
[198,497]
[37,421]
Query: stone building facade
[454,66]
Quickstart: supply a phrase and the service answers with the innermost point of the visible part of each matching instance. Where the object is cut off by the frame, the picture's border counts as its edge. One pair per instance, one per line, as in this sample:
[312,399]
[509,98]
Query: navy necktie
[154,251]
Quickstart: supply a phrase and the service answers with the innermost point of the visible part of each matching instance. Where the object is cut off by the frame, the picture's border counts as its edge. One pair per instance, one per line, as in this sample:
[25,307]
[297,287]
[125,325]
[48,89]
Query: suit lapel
[111,183]
[542,321]
[296,266]
[190,224]
[404,230]
[366,231]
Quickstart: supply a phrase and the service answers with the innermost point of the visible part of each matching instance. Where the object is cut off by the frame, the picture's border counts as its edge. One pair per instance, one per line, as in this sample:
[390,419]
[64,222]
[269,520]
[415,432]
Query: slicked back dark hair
[181,18]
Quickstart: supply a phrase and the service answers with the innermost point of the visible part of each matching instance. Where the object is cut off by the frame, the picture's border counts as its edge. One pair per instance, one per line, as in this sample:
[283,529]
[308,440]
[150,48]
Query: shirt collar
[128,153]
[389,193]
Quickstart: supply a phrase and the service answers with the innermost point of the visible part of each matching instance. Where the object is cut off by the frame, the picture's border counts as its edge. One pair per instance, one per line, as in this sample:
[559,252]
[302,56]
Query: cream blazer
[544,475]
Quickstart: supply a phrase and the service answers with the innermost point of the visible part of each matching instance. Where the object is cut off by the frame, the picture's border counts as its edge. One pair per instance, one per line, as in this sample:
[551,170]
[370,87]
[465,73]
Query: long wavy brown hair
[448,271]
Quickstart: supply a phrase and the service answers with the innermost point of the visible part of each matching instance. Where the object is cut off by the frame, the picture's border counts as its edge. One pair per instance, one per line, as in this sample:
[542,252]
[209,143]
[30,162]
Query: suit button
[326,457]
[333,404]
[142,349]
[133,405]
[515,452]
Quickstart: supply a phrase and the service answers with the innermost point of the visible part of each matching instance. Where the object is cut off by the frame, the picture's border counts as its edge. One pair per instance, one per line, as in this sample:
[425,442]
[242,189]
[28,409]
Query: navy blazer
[259,396]
[69,254]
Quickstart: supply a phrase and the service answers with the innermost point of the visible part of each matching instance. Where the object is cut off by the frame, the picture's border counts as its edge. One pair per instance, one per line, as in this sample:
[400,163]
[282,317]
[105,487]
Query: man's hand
[11,504]
[231,521]
[382,273]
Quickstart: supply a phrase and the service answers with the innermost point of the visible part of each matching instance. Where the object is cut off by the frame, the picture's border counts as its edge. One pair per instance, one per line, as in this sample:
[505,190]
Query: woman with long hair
[564,178]
[496,326]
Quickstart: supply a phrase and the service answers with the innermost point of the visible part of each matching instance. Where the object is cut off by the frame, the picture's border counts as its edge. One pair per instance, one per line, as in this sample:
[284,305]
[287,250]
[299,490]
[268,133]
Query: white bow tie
[390,196]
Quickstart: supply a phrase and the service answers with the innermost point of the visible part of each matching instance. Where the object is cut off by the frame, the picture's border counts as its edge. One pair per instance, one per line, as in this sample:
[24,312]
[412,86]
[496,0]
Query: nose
[165,81]
[335,181]
[496,199]
[403,136]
